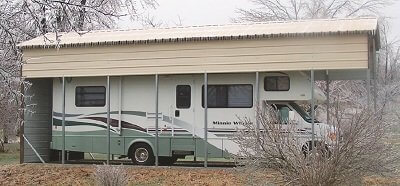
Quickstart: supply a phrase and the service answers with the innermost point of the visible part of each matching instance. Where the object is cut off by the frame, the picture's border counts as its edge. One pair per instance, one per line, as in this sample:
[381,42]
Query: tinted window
[93,96]
[229,96]
[277,83]
[183,96]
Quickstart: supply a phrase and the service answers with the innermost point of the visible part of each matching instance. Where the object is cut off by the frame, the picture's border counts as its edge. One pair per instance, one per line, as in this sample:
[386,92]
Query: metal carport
[331,49]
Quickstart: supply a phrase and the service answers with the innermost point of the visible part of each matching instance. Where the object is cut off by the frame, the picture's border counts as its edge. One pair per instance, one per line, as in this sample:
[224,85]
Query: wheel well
[136,143]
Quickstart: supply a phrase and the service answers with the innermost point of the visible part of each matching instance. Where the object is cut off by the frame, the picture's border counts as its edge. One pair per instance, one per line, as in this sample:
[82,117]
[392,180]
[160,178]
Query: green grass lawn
[11,156]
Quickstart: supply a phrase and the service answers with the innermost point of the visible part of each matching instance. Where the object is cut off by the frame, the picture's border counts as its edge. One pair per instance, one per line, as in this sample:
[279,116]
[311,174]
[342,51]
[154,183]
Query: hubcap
[141,155]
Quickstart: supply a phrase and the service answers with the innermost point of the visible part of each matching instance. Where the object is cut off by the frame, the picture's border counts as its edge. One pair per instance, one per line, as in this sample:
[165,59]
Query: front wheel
[142,154]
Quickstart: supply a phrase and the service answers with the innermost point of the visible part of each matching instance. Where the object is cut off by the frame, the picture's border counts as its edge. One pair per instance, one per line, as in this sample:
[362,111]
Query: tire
[142,154]
[167,161]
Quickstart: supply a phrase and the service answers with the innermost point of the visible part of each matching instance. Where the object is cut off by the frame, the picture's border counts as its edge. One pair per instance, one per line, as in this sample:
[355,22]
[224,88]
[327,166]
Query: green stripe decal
[57,122]
[135,113]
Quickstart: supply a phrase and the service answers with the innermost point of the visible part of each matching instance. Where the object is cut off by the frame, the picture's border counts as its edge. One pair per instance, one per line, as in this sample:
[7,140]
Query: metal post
[63,121]
[156,119]
[327,97]
[375,82]
[22,124]
[312,111]
[257,100]
[33,149]
[368,84]
[108,121]
[205,118]
[172,127]
[120,106]
[375,94]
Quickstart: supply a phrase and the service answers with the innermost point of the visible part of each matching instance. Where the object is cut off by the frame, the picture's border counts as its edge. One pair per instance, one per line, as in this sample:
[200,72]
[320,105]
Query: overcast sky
[206,12]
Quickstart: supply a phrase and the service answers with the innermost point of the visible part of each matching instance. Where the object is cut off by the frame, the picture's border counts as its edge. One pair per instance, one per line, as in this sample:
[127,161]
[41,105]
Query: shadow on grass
[11,156]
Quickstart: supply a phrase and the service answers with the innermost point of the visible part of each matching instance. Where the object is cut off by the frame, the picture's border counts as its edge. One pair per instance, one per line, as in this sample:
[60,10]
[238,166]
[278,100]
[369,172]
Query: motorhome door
[176,93]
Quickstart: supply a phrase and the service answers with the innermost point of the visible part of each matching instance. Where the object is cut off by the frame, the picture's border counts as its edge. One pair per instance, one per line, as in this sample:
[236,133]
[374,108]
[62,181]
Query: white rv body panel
[138,105]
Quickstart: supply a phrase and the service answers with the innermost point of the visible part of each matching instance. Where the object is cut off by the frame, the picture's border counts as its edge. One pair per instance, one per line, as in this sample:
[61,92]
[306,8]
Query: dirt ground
[36,174]
[50,174]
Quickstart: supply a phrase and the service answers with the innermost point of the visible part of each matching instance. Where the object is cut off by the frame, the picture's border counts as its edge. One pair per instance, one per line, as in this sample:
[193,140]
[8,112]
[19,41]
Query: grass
[11,156]
[98,156]
[191,158]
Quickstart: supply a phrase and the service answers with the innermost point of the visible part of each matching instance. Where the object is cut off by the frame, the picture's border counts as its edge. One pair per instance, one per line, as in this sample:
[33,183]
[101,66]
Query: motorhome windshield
[302,113]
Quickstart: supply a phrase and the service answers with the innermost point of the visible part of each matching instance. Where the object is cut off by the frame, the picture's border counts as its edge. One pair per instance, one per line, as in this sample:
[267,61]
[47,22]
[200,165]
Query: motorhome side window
[90,96]
[229,96]
[276,83]
[183,96]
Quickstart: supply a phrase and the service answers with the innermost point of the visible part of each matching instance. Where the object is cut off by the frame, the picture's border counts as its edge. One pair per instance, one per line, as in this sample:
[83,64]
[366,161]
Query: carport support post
[156,154]
[108,122]
[368,82]
[120,106]
[327,97]
[63,121]
[312,111]
[257,101]
[22,124]
[375,81]
[205,118]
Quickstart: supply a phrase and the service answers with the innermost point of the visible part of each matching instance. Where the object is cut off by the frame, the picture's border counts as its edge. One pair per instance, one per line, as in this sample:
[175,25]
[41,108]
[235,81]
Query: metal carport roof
[208,32]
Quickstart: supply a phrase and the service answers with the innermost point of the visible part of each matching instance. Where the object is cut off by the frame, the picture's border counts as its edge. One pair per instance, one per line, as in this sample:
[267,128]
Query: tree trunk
[2,149]
[5,137]
[81,15]
[43,21]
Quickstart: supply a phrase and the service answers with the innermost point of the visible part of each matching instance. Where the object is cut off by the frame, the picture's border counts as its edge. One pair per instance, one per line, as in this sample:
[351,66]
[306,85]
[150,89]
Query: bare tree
[25,19]
[150,21]
[11,32]
[78,15]
[278,10]
[179,21]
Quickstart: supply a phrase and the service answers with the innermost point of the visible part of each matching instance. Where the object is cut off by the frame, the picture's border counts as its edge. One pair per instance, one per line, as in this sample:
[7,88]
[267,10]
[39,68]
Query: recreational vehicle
[231,98]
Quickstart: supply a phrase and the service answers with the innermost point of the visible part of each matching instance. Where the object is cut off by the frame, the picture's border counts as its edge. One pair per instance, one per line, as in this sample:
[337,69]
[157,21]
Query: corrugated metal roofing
[209,32]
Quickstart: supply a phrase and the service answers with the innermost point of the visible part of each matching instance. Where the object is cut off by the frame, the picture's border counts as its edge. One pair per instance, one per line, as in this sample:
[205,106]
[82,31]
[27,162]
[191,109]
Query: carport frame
[256,100]
[368,79]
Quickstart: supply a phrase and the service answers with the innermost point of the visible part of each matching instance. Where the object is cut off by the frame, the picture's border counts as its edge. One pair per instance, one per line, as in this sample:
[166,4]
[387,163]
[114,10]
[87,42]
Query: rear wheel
[142,154]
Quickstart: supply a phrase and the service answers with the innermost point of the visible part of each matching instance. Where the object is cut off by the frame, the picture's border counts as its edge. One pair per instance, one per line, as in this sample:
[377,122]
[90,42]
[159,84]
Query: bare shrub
[356,147]
[109,175]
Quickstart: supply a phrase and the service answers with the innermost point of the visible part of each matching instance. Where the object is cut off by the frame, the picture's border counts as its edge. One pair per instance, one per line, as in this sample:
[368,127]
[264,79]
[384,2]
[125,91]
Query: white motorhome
[181,128]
